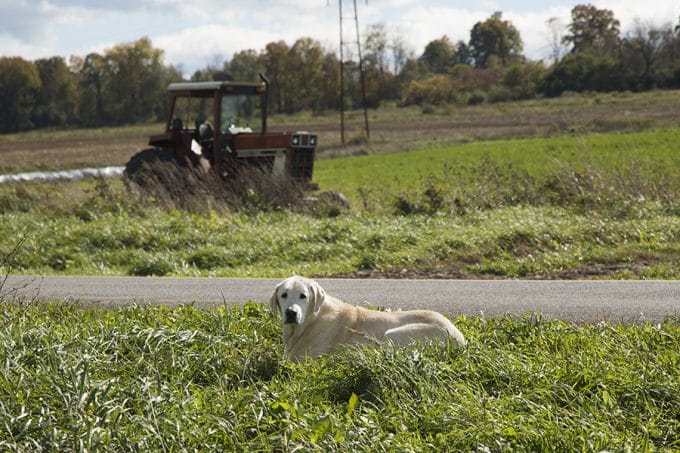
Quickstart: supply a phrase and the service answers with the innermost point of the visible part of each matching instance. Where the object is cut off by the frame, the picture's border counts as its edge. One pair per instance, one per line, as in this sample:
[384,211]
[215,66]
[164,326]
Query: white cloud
[194,47]
[626,11]
[14,47]
[452,22]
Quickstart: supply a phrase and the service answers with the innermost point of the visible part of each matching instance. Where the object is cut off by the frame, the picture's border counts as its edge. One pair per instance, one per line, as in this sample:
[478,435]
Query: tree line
[127,83]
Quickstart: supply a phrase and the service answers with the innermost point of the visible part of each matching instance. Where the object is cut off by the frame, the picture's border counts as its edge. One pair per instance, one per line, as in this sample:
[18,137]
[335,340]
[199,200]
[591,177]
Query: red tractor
[222,127]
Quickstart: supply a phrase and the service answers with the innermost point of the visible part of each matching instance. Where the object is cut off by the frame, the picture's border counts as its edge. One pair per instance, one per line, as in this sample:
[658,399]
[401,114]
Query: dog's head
[297,298]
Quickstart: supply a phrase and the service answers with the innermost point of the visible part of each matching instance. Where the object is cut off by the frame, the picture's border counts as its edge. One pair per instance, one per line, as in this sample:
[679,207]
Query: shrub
[436,89]
[620,189]
[524,80]
[469,79]
[476,97]
[430,200]
[193,189]
[150,265]
[582,72]
[17,199]
[207,258]
[500,94]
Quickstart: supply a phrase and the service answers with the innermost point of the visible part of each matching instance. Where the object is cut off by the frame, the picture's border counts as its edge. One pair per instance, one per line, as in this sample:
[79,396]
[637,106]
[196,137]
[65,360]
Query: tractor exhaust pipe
[266,102]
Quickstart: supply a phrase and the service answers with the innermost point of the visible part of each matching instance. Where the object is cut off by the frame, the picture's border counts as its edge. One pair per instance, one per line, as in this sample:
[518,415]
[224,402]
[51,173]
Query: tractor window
[194,110]
[241,113]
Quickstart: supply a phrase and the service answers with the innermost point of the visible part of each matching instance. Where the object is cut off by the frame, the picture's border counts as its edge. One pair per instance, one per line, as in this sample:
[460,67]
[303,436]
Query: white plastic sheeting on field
[80,173]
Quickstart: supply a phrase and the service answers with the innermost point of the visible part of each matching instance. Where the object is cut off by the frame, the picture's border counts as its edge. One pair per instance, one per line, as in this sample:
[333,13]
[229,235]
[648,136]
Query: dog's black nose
[291,316]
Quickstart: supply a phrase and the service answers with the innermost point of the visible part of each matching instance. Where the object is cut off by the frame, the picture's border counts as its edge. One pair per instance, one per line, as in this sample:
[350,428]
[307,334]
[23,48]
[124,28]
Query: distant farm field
[391,128]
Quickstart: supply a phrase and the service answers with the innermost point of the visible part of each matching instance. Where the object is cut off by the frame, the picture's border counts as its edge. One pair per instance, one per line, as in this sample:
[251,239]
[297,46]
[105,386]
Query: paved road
[578,301]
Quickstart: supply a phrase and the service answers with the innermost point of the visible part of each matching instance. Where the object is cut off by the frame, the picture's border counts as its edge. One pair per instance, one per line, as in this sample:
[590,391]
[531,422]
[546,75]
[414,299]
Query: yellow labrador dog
[315,323]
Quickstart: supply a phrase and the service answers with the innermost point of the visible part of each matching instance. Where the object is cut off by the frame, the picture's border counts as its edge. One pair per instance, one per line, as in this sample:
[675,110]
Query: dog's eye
[303,296]
[284,295]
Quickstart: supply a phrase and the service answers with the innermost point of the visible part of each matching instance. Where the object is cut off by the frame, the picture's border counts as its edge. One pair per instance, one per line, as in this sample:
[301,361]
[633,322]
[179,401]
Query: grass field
[653,154]
[155,379]
[599,205]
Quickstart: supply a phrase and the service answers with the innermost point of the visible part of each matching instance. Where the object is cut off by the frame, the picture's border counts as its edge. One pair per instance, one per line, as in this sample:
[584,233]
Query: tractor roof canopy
[207,89]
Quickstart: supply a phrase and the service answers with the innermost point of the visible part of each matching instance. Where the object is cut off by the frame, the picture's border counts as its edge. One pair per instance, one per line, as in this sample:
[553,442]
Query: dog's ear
[274,301]
[318,296]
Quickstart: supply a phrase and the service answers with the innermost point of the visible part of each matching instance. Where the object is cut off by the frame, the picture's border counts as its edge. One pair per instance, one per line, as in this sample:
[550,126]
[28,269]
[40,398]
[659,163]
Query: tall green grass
[150,379]
[533,164]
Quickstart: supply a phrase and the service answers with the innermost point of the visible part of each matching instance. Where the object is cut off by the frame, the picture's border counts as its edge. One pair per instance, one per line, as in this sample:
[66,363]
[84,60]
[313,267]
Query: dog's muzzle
[291,316]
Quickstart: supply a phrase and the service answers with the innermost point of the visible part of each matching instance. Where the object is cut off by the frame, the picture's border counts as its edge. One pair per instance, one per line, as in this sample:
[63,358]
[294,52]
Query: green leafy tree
[583,72]
[331,83]
[439,56]
[245,66]
[524,80]
[274,60]
[463,55]
[92,77]
[592,30]
[125,85]
[375,49]
[470,81]
[57,100]
[19,86]
[666,66]
[494,39]
[380,81]
[305,64]
[410,72]
[641,51]
[400,52]
[135,87]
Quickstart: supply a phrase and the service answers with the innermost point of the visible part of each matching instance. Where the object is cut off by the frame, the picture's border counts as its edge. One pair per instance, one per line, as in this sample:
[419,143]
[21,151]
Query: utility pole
[361,72]
[342,79]
[342,72]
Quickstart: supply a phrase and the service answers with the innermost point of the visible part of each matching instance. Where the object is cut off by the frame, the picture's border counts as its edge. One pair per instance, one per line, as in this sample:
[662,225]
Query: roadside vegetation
[144,378]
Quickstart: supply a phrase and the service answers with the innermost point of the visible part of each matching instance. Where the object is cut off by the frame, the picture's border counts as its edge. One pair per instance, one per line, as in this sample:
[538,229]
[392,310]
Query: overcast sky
[195,33]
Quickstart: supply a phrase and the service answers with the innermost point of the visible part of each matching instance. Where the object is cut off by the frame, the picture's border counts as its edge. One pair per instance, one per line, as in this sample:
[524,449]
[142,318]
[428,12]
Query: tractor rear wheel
[143,168]
[159,173]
